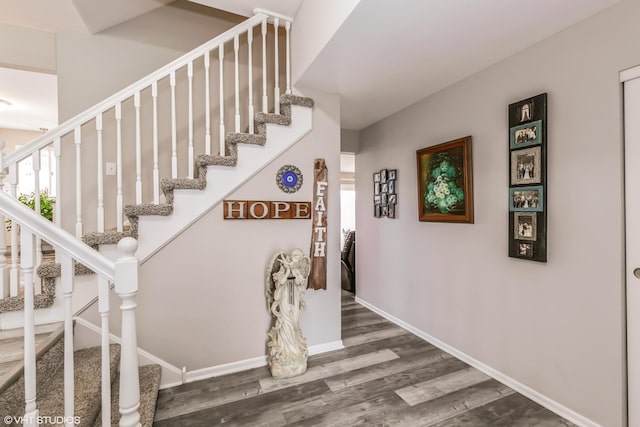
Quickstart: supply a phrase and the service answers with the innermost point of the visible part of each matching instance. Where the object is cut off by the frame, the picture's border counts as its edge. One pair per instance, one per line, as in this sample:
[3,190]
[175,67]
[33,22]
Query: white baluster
[221,59]
[190,152]
[67,279]
[287,27]
[136,104]
[174,130]
[119,198]
[126,286]
[100,175]
[265,97]
[35,162]
[156,171]
[207,105]
[57,212]
[78,141]
[14,273]
[276,88]
[4,271]
[250,63]
[103,308]
[236,47]
[27,247]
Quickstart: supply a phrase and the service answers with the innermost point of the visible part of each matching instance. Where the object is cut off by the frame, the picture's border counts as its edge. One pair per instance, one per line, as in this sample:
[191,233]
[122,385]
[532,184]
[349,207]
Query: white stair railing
[123,273]
[152,129]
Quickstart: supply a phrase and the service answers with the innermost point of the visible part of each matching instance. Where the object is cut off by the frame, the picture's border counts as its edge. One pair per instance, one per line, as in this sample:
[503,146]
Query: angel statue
[285,284]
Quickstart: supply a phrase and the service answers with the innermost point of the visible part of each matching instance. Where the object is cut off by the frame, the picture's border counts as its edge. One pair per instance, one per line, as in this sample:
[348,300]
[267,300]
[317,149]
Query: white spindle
[265,97]
[174,130]
[67,278]
[221,60]
[190,152]
[57,211]
[276,88]
[35,163]
[103,308]
[236,47]
[156,171]
[250,63]
[27,246]
[126,286]
[207,104]
[4,271]
[100,175]
[78,141]
[119,198]
[14,273]
[136,104]
[287,27]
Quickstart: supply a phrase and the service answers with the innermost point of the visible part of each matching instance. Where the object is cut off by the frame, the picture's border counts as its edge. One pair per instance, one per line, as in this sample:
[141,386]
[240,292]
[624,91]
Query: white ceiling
[390,54]
[386,56]
[34,97]
[246,7]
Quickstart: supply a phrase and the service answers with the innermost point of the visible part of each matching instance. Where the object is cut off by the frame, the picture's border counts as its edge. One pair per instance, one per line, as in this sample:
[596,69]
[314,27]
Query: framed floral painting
[445,182]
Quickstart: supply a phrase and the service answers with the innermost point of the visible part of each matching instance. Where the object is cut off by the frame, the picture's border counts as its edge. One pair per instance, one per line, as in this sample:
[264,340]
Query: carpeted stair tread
[169,184]
[87,380]
[149,376]
[96,238]
[277,119]
[296,100]
[47,367]
[245,138]
[163,209]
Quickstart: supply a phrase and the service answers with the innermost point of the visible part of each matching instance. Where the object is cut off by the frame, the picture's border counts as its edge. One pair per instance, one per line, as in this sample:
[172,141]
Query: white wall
[556,327]
[36,50]
[202,300]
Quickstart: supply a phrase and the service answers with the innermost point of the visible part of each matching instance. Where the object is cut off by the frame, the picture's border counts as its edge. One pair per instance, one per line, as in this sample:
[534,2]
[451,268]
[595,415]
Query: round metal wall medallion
[289,178]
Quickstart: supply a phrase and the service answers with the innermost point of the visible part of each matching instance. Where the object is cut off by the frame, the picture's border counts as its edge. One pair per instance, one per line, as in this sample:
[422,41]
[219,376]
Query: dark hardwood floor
[385,376]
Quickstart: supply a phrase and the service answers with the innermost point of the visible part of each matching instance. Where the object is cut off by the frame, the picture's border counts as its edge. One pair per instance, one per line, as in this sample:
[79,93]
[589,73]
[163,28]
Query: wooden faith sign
[258,209]
[318,274]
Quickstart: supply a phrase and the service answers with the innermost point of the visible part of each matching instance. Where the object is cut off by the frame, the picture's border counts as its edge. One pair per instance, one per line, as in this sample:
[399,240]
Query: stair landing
[12,349]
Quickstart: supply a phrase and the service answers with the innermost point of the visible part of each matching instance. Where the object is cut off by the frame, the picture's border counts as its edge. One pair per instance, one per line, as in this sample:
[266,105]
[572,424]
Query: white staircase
[153,140]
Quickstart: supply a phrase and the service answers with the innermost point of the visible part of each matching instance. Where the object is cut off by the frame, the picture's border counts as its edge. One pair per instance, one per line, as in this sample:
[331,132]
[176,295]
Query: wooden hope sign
[258,209]
[318,274]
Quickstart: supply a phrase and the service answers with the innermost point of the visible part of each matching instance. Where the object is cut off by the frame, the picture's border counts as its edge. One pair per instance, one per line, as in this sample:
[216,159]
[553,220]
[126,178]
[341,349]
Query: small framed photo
[385,210]
[376,177]
[393,199]
[526,110]
[376,210]
[384,199]
[526,199]
[525,249]
[526,135]
[524,226]
[393,173]
[525,166]
[385,187]
[391,211]
[376,200]
[383,175]
[391,186]
[376,188]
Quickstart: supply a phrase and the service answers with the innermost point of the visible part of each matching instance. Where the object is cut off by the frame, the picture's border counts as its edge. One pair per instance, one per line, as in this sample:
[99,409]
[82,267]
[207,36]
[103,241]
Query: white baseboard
[537,397]
[87,334]
[256,362]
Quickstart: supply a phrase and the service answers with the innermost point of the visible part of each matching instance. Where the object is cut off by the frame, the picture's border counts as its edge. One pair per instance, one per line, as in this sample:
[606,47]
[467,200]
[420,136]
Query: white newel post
[126,286]
[27,247]
[287,27]
[4,270]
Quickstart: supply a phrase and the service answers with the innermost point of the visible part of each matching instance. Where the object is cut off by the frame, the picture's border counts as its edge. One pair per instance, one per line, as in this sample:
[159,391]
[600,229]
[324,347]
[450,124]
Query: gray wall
[556,327]
[349,141]
[202,301]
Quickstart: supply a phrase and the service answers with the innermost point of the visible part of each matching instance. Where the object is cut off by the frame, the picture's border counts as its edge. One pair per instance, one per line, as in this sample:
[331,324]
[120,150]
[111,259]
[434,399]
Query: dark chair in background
[348,256]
